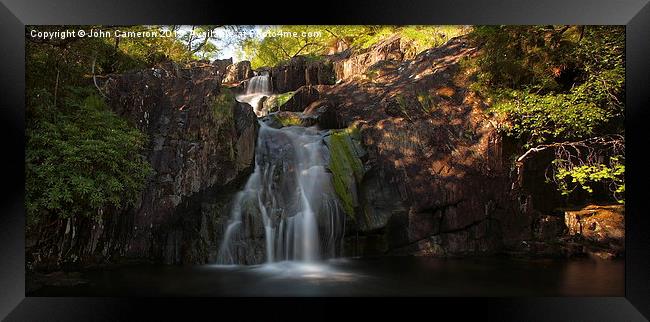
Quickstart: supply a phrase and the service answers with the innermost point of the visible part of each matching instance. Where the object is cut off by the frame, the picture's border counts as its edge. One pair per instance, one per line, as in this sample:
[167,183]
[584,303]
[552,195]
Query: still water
[386,276]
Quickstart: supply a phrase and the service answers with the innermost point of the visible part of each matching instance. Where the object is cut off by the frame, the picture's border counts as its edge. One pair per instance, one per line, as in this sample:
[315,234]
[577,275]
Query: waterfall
[258,88]
[288,201]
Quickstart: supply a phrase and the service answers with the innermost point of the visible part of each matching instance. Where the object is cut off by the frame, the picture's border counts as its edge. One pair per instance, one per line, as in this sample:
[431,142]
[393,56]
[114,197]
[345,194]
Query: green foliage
[556,84]
[81,158]
[282,43]
[198,40]
[585,176]
[537,118]
[552,83]
[427,102]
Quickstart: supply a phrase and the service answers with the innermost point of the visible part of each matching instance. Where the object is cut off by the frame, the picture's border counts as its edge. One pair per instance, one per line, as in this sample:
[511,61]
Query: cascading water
[258,87]
[288,202]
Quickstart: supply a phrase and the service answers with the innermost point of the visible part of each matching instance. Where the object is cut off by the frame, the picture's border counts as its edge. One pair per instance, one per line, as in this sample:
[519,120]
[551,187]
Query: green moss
[347,169]
[288,119]
[222,106]
[273,103]
[223,114]
[283,98]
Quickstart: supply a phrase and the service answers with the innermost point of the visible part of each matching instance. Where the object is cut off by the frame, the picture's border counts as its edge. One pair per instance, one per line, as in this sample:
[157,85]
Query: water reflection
[392,276]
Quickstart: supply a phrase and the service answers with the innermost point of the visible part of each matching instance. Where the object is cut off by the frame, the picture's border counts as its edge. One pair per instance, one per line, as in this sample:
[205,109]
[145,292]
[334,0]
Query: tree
[560,87]
[281,43]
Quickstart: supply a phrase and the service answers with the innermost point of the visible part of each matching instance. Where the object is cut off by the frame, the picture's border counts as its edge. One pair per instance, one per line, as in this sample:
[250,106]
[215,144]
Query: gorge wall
[201,146]
[417,165]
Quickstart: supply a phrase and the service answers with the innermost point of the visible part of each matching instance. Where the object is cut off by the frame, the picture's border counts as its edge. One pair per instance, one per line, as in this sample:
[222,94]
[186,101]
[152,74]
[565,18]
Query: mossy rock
[275,101]
[283,119]
[222,106]
[346,166]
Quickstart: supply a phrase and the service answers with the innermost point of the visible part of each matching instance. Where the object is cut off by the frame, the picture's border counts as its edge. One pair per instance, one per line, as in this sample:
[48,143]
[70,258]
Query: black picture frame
[15,14]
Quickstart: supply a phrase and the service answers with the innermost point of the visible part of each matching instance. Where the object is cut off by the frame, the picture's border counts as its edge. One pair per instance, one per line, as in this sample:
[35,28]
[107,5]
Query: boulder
[602,225]
[238,72]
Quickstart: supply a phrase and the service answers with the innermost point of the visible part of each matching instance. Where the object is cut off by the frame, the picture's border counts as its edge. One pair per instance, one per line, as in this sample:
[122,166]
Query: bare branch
[95,79]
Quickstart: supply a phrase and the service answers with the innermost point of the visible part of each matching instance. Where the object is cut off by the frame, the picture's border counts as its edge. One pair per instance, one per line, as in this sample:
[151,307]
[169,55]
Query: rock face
[289,76]
[221,65]
[201,145]
[302,97]
[298,72]
[421,170]
[320,72]
[432,181]
[238,72]
[391,49]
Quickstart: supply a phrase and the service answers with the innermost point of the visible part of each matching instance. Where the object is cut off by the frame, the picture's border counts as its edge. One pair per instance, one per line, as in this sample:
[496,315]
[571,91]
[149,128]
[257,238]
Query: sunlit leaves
[272,48]
[585,177]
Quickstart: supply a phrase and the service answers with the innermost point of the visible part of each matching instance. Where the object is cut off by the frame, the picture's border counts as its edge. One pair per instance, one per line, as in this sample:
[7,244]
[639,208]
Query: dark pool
[388,276]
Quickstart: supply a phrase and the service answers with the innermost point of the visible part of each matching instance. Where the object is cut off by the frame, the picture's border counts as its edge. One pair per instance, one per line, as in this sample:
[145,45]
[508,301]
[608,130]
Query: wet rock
[379,201]
[549,227]
[323,113]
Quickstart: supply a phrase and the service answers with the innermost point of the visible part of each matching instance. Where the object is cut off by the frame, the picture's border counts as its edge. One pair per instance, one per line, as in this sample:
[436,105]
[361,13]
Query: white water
[290,194]
[258,88]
